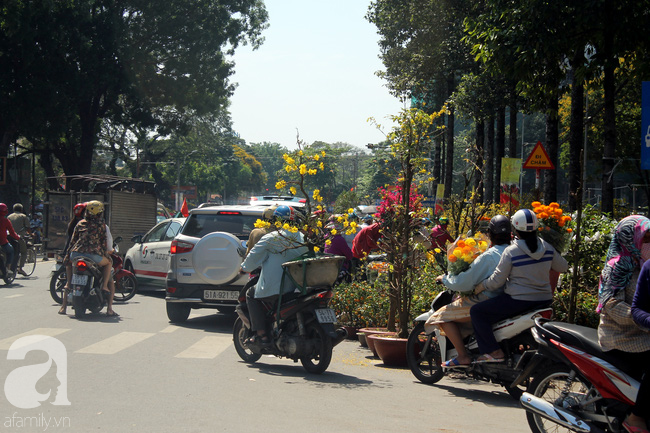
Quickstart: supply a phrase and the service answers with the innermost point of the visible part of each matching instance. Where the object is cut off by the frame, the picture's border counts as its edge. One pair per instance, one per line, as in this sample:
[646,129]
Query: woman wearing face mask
[623,327]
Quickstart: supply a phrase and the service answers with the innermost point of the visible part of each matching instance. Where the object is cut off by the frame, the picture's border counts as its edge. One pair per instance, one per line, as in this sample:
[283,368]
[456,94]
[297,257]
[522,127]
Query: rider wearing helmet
[454,319]
[273,249]
[5,243]
[440,236]
[524,269]
[89,239]
[20,223]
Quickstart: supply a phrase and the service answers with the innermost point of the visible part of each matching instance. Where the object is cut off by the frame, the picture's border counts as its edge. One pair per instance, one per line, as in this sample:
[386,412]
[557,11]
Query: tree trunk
[488,173]
[512,144]
[449,166]
[575,137]
[480,144]
[609,120]
[552,136]
[500,151]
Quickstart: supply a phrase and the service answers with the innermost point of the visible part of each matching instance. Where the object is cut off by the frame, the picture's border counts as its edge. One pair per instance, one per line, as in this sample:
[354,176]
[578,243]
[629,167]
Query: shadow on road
[329,379]
[490,398]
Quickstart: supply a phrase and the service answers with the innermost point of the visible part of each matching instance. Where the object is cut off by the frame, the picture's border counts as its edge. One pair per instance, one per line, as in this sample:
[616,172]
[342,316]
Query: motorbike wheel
[79,307]
[549,385]
[239,334]
[7,278]
[318,362]
[424,366]
[126,287]
[57,282]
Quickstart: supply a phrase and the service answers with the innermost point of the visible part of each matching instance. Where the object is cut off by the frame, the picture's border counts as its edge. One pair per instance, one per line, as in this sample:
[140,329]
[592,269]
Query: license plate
[325,315]
[220,295]
[79,280]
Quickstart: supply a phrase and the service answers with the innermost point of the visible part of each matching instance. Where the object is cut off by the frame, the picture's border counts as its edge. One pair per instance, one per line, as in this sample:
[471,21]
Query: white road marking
[169,329]
[116,343]
[206,348]
[49,332]
[18,295]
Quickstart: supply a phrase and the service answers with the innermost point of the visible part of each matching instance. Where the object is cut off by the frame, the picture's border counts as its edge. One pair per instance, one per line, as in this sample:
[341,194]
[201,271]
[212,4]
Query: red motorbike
[575,384]
[126,285]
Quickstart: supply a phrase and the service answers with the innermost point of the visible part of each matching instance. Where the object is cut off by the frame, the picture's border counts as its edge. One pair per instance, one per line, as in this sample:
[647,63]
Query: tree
[142,62]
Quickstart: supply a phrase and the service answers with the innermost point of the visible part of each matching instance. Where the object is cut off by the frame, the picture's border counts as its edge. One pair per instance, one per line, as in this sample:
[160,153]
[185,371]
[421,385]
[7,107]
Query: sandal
[453,363]
[263,340]
[62,311]
[112,314]
[486,357]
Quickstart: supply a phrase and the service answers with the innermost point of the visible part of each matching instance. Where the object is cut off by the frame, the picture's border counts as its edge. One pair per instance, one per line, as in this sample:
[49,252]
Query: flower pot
[391,349]
[368,332]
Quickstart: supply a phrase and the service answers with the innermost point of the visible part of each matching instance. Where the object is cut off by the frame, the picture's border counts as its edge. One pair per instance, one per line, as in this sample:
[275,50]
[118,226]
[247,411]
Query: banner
[510,172]
[440,195]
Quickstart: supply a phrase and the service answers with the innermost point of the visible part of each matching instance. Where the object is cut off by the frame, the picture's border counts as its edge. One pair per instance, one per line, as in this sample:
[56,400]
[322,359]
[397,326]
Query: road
[139,373]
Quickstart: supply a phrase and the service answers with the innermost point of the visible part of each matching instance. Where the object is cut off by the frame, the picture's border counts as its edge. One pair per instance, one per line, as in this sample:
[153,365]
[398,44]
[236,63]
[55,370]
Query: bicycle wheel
[30,262]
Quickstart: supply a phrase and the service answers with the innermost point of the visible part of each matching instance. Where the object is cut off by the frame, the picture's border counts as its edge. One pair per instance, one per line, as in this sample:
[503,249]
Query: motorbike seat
[586,339]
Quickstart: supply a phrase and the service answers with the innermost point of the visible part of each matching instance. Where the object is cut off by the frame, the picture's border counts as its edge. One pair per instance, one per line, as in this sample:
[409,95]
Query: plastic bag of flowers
[464,251]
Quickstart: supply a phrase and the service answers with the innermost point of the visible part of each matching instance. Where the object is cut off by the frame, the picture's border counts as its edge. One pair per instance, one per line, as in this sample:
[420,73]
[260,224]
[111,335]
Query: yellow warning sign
[538,159]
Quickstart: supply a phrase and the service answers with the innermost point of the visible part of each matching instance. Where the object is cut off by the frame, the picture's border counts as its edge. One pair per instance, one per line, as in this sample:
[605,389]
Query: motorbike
[9,278]
[575,384]
[425,353]
[302,329]
[126,284]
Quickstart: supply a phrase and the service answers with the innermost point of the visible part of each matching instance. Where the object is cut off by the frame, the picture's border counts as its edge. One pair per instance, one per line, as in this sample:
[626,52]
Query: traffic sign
[538,159]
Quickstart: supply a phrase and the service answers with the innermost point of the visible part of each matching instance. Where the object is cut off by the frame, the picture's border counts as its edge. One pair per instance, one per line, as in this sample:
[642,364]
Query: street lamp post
[178,180]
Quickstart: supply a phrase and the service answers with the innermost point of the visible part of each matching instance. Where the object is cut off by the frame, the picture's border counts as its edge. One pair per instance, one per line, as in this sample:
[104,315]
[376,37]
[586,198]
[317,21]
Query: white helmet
[525,220]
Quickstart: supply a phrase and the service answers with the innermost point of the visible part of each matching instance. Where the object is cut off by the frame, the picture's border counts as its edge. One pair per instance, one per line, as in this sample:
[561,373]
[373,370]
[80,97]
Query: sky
[314,75]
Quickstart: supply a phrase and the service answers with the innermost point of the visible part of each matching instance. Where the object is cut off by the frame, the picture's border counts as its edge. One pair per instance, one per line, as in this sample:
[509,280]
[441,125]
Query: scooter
[126,285]
[425,353]
[575,384]
[302,329]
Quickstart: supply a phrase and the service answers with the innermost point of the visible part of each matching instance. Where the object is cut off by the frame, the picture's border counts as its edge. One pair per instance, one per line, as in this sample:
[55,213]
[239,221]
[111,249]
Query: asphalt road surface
[139,373]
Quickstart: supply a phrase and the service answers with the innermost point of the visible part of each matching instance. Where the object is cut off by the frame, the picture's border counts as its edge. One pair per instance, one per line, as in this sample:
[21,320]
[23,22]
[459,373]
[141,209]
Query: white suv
[205,259]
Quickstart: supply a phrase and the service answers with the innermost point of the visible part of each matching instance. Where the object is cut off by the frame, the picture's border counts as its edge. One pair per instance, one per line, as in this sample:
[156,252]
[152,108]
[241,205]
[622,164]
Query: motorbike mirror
[117,240]
[137,239]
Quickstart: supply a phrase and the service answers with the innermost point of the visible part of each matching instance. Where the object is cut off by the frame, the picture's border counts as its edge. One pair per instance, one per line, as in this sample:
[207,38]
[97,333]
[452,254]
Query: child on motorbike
[623,306]
[454,319]
[269,253]
[524,269]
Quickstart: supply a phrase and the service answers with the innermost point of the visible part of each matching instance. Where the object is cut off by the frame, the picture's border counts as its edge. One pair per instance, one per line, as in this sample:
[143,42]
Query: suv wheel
[177,313]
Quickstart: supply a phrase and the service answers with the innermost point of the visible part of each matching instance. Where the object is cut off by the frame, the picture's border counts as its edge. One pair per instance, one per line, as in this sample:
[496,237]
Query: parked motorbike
[302,329]
[575,384]
[126,285]
[425,353]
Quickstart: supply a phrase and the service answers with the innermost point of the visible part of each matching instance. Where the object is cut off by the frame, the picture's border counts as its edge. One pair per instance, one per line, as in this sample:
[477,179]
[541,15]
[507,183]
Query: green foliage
[596,233]
[366,304]
[585,308]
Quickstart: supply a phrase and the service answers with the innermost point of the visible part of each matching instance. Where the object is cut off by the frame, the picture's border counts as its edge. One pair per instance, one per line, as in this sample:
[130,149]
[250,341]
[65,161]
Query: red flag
[184,210]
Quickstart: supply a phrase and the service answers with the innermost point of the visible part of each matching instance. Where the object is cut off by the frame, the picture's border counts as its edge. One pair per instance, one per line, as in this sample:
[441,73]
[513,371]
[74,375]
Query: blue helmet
[284,212]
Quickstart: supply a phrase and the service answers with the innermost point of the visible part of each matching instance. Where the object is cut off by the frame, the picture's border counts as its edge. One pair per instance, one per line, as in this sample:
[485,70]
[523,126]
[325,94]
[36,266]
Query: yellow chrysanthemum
[312,171]
[316,249]
[303,169]
[316,157]
[293,190]
[289,160]
[286,226]
[262,224]
[321,166]
[328,242]
[319,224]
[334,232]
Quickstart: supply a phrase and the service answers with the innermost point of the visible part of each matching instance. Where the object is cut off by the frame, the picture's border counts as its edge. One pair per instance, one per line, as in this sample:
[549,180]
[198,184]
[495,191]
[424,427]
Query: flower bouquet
[463,252]
[553,225]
